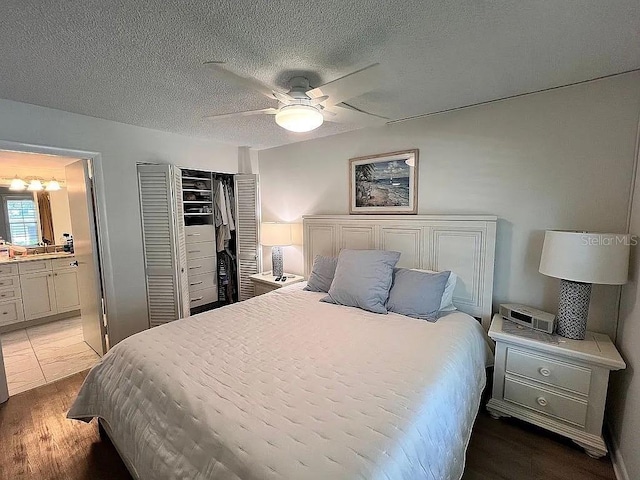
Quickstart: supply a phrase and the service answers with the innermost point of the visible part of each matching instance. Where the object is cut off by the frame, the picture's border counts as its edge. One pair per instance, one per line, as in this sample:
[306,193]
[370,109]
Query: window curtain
[46,219]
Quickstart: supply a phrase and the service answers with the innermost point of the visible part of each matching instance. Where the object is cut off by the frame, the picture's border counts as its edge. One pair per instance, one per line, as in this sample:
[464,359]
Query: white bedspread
[285,387]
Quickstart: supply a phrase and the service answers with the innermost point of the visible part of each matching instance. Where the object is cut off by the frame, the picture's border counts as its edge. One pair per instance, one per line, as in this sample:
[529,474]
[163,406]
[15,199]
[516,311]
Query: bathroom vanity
[37,288]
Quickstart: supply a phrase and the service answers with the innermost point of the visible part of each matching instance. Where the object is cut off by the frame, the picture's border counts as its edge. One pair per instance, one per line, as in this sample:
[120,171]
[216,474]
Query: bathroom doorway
[52,321]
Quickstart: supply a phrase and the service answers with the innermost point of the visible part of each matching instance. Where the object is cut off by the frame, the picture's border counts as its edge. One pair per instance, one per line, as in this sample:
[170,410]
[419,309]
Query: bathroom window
[23,221]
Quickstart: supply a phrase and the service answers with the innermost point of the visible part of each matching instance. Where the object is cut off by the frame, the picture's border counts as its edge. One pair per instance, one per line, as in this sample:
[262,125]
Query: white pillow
[446,304]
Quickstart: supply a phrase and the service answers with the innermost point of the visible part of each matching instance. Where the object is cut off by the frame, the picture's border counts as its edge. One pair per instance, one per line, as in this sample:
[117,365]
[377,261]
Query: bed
[283,386]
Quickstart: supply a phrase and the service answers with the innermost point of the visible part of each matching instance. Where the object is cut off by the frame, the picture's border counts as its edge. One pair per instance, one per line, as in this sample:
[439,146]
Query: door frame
[105,273]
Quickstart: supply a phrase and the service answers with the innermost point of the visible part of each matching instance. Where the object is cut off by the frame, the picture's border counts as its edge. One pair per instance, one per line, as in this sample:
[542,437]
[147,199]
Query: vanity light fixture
[35,185]
[52,185]
[17,184]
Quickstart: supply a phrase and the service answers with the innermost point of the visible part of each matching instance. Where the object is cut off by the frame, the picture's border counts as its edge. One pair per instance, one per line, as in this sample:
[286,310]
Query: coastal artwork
[384,183]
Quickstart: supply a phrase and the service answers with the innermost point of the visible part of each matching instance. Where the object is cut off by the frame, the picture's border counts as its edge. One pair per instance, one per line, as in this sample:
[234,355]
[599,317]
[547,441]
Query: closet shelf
[206,179]
[196,190]
[198,214]
[198,201]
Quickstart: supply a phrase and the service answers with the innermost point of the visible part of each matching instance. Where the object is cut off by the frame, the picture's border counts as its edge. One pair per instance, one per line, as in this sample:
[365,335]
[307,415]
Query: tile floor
[39,355]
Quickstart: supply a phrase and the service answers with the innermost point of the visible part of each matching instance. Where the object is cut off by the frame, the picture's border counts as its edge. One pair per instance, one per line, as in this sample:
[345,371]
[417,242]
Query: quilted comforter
[285,387]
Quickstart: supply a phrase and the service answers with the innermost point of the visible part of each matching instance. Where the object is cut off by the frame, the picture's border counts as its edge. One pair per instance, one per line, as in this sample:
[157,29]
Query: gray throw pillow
[324,268]
[363,279]
[417,294]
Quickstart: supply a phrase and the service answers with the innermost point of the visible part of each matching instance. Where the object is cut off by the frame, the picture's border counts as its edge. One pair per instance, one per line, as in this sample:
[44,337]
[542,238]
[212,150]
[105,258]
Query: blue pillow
[324,269]
[363,279]
[417,294]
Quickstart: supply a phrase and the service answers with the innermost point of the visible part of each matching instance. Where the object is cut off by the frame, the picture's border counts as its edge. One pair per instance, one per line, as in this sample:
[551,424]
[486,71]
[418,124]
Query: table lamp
[579,260]
[276,236]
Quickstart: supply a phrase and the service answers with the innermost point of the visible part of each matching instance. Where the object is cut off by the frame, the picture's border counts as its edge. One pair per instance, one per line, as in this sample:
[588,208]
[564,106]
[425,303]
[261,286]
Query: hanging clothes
[230,218]
[223,232]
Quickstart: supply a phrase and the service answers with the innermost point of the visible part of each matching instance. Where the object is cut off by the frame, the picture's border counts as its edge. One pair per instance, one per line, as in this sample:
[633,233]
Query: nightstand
[558,386]
[265,282]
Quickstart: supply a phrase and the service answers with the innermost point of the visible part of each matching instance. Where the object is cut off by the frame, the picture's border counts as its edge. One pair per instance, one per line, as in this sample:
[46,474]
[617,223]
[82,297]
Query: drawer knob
[541,401]
[544,371]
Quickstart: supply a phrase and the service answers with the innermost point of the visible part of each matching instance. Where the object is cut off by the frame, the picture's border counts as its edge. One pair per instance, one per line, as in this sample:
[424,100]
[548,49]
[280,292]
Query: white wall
[60,213]
[555,160]
[624,412]
[121,147]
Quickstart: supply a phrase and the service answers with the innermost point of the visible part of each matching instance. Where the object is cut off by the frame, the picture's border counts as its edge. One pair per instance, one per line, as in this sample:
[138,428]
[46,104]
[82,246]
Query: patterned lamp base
[277,261]
[573,309]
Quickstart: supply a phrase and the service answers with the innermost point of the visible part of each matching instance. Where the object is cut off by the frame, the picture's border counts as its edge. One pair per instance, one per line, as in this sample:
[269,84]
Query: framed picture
[384,183]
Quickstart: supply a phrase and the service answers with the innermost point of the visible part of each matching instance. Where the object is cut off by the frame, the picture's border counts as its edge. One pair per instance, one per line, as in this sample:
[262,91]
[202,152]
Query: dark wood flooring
[38,442]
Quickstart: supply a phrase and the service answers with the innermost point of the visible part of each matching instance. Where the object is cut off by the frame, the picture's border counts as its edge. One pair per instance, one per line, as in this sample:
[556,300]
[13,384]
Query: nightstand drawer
[549,371]
[544,401]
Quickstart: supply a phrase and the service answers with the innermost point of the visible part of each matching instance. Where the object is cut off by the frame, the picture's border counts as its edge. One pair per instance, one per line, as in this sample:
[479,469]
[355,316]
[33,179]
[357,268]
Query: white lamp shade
[586,257]
[275,234]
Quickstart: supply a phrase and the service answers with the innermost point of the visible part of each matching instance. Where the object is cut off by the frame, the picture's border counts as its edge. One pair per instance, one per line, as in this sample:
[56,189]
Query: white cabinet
[201,264]
[38,294]
[34,289]
[558,386]
[66,287]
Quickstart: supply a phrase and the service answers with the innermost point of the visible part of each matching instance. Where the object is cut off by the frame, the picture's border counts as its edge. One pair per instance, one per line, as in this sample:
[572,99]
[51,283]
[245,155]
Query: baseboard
[616,456]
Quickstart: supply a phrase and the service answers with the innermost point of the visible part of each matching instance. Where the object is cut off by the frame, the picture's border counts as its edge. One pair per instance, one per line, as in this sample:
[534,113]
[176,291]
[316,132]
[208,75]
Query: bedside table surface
[596,347]
[270,280]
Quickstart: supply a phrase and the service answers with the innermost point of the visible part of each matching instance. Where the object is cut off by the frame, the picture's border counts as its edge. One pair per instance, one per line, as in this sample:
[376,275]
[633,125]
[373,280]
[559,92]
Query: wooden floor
[38,442]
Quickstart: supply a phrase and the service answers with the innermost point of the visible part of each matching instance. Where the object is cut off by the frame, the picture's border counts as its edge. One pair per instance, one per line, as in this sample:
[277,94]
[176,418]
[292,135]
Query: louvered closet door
[247,231]
[181,245]
[162,263]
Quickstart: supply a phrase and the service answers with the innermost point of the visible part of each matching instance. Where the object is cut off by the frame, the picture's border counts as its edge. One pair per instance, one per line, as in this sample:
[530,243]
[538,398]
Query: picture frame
[386,183]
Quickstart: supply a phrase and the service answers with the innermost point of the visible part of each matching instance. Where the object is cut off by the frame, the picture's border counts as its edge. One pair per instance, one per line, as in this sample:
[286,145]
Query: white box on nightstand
[558,386]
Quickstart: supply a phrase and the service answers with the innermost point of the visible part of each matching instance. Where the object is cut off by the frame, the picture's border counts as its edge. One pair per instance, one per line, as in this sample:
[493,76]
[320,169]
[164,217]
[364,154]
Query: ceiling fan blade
[319,100]
[341,114]
[247,82]
[264,111]
[284,98]
[349,86]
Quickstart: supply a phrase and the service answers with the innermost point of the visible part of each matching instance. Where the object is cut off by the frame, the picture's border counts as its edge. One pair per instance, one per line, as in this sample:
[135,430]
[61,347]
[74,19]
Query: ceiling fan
[302,108]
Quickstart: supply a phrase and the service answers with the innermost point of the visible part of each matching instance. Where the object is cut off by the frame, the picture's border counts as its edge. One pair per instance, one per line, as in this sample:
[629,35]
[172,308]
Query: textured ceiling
[140,62]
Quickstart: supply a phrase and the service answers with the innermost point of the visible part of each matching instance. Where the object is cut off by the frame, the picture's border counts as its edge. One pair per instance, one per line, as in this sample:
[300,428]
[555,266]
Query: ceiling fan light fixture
[299,118]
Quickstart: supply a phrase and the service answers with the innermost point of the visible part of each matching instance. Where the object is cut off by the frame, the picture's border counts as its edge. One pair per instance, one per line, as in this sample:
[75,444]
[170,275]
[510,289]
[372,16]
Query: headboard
[464,244]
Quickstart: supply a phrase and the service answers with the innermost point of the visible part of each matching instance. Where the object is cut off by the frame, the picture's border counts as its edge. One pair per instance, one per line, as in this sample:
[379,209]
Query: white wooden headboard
[464,244]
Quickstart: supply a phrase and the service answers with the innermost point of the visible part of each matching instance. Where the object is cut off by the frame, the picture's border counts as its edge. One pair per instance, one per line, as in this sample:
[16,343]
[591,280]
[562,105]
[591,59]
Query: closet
[200,237]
